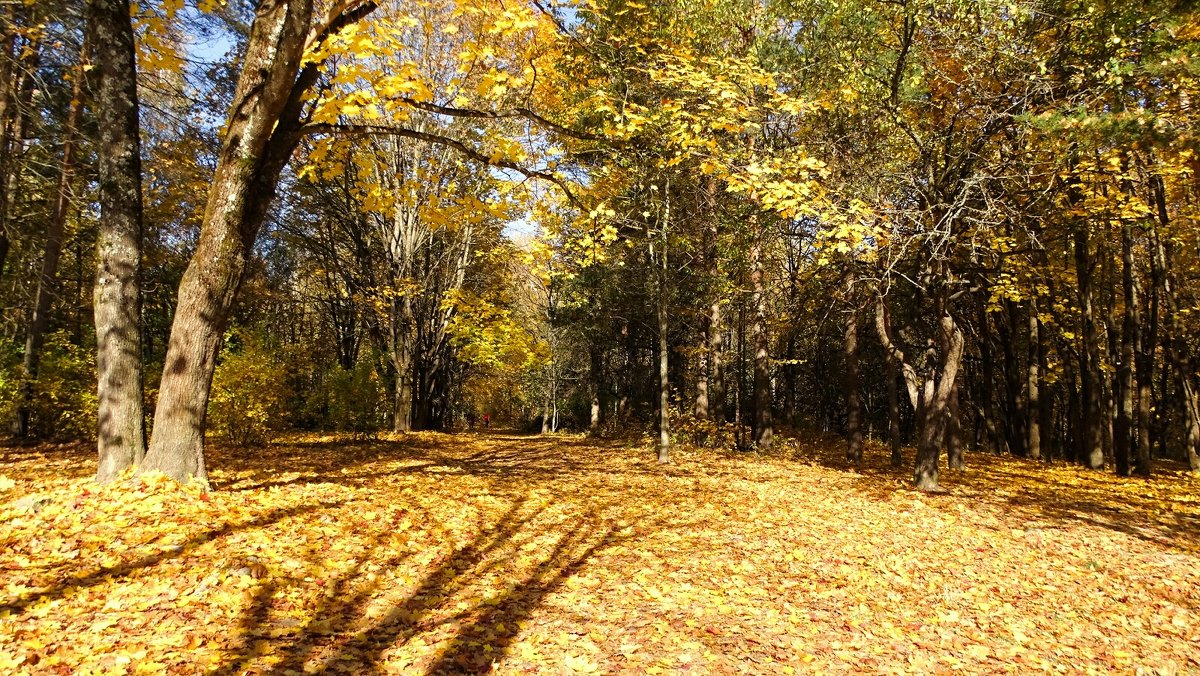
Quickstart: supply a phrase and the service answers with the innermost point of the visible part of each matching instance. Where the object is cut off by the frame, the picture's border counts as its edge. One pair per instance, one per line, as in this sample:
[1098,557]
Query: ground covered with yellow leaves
[439,553]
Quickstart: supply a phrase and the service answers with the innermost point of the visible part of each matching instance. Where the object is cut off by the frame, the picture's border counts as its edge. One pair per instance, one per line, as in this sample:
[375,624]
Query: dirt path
[446,553]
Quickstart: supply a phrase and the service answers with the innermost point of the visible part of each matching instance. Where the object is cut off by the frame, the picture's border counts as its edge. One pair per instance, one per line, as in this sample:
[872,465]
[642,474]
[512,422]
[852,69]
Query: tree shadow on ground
[93,578]
[446,605]
[1029,494]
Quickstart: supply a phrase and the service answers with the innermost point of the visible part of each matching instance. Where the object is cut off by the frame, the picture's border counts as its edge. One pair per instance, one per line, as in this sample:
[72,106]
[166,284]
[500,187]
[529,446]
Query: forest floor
[444,553]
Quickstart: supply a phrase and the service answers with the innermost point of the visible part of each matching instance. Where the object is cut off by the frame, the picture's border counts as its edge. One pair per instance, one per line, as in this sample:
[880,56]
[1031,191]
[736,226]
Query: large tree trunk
[935,404]
[121,439]
[47,287]
[854,435]
[263,130]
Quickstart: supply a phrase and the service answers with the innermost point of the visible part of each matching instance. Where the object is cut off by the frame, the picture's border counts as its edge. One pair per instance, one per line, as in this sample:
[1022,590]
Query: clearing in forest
[443,553]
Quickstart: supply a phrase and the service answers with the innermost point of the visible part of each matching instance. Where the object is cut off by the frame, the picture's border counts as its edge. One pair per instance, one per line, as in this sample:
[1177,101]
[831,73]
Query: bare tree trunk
[764,430]
[987,373]
[1091,436]
[854,436]
[664,385]
[1033,394]
[1123,429]
[700,408]
[259,139]
[121,439]
[893,394]
[954,449]
[596,387]
[935,407]
[716,363]
[47,287]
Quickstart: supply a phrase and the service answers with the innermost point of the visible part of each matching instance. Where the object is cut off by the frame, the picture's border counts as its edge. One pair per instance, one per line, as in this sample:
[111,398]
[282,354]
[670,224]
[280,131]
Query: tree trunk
[700,408]
[47,287]
[764,432]
[893,395]
[1123,429]
[854,436]
[595,386]
[1033,394]
[261,134]
[121,440]
[716,363]
[954,449]
[664,385]
[1091,436]
[935,409]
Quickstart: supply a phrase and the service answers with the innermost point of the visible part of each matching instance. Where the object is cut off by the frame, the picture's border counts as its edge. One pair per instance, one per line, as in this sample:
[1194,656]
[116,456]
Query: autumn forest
[600,336]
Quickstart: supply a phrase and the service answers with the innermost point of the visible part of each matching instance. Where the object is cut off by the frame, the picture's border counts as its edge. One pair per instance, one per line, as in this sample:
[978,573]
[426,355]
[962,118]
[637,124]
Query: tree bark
[118,301]
[854,435]
[1123,429]
[764,429]
[263,130]
[664,385]
[1033,394]
[716,362]
[47,287]
[893,394]
[1091,436]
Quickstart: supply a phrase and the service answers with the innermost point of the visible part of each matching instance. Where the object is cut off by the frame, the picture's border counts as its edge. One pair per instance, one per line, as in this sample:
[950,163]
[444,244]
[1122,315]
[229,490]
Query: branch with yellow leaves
[446,141]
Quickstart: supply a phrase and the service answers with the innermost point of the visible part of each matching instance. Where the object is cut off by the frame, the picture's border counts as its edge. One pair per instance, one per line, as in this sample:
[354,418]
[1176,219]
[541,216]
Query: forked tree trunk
[121,439]
[263,129]
[935,406]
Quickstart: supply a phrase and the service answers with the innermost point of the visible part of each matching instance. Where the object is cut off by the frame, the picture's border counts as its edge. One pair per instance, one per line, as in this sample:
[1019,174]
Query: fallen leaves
[447,553]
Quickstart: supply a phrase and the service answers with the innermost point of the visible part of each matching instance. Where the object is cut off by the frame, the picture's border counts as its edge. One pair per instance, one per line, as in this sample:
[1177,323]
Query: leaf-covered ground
[441,553]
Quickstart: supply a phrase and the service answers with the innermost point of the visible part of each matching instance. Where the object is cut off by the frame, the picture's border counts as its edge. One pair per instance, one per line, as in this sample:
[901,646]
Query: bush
[62,399]
[249,391]
[355,400]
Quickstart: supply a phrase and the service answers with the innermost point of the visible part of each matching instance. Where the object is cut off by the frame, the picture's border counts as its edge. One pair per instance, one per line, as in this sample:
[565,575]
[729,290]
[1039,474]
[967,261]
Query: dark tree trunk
[987,376]
[47,286]
[854,435]
[1033,393]
[1091,435]
[893,394]
[954,449]
[716,362]
[1123,429]
[764,430]
[664,384]
[121,440]
[260,136]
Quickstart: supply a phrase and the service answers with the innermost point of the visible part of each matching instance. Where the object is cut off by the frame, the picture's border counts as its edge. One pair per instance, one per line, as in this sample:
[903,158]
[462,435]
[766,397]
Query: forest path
[453,553]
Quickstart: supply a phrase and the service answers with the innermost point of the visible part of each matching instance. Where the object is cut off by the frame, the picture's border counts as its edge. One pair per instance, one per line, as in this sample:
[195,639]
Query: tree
[264,127]
[118,302]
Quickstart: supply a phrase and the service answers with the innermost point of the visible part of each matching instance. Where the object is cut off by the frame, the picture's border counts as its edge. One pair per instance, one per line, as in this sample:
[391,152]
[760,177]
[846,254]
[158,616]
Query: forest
[642,336]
